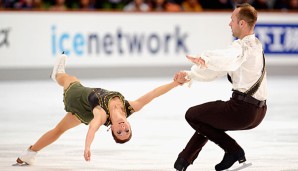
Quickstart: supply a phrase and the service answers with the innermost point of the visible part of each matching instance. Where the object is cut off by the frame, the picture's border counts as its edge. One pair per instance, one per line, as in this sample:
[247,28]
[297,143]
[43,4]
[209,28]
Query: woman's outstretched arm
[148,97]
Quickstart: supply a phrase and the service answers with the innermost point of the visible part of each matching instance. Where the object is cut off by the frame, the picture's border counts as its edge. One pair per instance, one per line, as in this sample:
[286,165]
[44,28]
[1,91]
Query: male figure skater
[244,63]
[94,107]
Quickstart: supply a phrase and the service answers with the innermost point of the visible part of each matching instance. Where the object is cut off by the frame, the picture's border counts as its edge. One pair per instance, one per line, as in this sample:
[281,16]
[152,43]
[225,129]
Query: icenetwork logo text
[118,42]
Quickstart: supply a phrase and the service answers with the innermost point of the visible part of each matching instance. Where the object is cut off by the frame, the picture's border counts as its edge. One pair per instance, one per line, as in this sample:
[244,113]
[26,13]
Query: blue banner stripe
[278,38]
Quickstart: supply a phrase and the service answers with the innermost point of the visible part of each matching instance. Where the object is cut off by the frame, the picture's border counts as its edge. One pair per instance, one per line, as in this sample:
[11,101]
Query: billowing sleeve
[219,63]
[199,73]
[229,59]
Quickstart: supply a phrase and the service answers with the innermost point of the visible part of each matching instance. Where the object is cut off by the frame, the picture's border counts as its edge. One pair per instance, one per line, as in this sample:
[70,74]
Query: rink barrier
[131,44]
[122,72]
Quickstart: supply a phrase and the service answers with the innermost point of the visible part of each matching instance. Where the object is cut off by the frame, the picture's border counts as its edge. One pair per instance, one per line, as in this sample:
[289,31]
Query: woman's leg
[65,80]
[68,122]
[59,75]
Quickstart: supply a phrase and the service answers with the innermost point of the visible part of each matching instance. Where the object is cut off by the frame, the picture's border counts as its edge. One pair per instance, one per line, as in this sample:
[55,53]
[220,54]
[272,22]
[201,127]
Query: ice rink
[30,108]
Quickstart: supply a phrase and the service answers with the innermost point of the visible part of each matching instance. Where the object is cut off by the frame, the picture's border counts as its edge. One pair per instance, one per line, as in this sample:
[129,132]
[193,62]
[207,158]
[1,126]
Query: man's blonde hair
[247,13]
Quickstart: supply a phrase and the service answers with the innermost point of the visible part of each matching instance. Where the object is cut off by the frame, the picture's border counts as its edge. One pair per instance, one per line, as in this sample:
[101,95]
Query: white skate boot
[59,66]
[27,157]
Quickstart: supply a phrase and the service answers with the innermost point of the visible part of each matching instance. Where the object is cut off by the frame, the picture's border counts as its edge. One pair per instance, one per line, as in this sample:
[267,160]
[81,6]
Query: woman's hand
[87,155]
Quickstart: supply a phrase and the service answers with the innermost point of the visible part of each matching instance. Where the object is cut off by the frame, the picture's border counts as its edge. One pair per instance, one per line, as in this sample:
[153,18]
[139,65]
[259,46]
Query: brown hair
[121,141]
[247,13]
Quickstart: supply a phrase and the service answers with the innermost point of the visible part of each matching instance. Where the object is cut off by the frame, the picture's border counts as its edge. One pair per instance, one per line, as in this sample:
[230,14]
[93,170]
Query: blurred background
[146,5]
[133,38]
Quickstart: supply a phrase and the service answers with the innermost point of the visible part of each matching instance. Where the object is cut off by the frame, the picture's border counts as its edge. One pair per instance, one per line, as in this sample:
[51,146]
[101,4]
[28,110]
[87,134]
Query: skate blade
[244,165]
[20,164]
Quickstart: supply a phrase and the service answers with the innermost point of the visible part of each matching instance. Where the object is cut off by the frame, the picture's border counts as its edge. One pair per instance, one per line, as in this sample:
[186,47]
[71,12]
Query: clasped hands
[181,77]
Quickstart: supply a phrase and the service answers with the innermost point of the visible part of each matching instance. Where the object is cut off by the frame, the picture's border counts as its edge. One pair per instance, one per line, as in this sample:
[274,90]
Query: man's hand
[87,155]
[197,60]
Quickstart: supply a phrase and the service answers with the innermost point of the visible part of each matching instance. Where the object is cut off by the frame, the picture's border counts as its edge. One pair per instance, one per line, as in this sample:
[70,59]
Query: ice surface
[160,132]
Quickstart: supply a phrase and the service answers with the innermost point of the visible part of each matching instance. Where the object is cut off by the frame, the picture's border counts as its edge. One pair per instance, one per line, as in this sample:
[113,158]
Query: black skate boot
[230,158]
[181,164]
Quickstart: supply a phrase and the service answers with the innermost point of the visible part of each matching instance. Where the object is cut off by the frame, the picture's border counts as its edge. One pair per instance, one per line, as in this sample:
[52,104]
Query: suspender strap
[229,78]
[255,87]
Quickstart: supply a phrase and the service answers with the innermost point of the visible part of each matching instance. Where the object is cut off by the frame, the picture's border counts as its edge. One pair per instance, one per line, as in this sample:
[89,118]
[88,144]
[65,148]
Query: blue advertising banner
[278,38]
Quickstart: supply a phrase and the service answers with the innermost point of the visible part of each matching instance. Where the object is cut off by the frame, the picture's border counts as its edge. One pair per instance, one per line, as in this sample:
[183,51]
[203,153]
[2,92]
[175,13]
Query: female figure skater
[94,107]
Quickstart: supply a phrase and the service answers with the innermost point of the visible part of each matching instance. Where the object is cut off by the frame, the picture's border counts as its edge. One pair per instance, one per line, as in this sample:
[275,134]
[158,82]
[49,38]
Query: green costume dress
[80,101]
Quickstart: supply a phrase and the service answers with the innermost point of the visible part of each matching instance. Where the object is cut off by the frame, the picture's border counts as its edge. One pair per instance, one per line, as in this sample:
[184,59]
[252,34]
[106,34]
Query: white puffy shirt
[243,61]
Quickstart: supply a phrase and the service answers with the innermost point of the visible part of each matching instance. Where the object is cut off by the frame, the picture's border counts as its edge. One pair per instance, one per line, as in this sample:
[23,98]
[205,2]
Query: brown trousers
[211,121]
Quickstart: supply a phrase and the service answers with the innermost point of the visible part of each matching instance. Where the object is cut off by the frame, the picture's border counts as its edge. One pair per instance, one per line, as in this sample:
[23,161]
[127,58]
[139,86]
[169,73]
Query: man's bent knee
[188,115]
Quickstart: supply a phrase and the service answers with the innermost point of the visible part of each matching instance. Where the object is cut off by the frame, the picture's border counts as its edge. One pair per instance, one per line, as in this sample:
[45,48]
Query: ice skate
[230,158]
[59,66]
[26,158]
